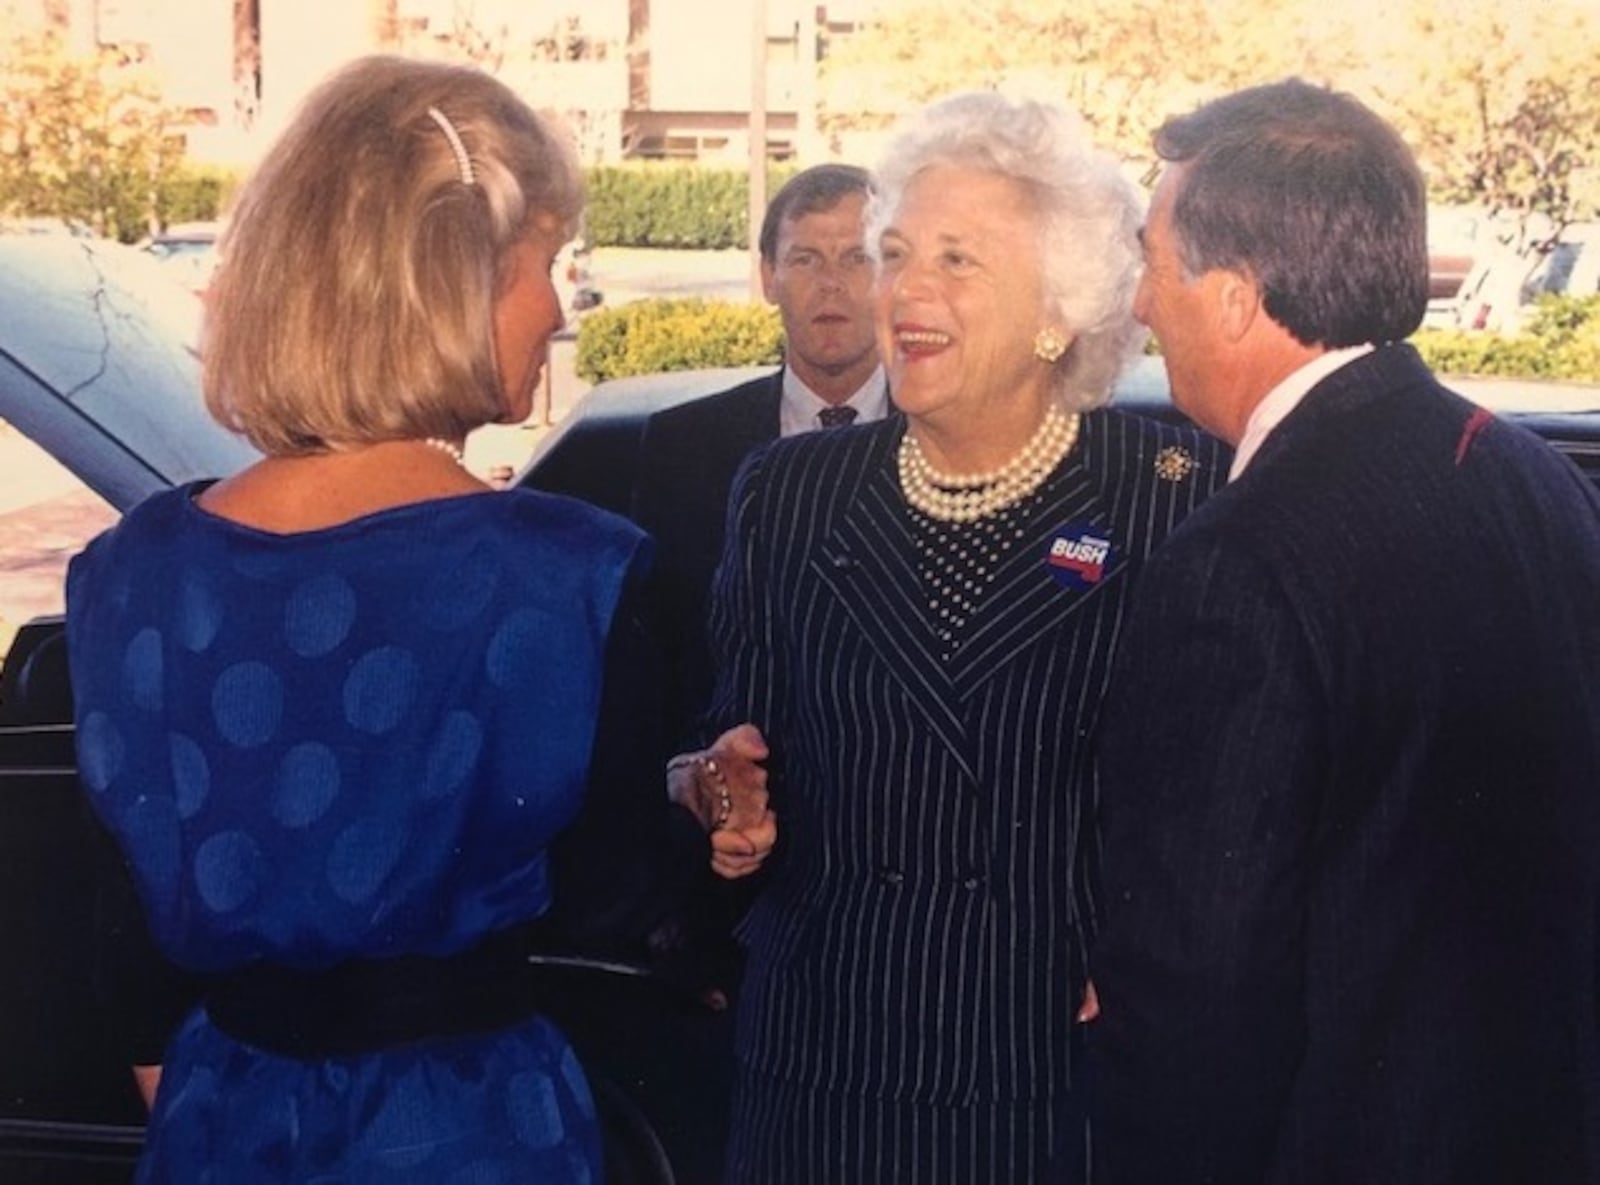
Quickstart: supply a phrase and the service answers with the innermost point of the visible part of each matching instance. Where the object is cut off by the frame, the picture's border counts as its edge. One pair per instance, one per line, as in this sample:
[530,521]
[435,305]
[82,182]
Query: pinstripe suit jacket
[922,935]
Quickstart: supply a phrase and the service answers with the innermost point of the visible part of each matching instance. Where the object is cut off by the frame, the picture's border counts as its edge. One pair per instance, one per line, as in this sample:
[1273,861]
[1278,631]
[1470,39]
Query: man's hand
[746,839]
[726,786]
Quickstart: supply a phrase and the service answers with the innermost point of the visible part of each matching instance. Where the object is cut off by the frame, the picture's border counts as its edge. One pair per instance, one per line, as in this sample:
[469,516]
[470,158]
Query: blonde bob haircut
[1087,216]
[360,269]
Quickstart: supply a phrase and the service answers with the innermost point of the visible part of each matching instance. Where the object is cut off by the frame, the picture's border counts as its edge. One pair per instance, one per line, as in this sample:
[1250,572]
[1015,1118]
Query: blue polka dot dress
[356,742]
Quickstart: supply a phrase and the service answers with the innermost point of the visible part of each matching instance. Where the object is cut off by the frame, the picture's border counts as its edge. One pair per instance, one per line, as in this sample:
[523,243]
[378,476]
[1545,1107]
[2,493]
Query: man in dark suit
[815,269]
[1350,767]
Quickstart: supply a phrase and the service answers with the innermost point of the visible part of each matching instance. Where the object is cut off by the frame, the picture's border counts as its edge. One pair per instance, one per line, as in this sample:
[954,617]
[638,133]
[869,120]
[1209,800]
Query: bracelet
[724,796]
[704,762]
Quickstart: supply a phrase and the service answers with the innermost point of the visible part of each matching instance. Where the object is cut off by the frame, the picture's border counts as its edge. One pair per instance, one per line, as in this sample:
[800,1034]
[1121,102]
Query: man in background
[815,269]
[1350,775]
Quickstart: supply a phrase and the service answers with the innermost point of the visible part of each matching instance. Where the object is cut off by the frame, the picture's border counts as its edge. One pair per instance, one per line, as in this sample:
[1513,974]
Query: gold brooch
[1175,463]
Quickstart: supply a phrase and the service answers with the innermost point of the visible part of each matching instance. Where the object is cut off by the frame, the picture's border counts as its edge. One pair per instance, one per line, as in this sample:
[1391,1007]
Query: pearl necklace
[965,498]
[450,449]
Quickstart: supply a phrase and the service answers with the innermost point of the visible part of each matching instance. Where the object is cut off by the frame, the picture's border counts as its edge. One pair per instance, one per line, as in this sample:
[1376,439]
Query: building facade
[635,79]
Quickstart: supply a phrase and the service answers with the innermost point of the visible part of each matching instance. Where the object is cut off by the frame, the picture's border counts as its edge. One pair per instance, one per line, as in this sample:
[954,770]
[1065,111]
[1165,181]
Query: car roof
[98,365]
[598,439]
[188,232]
[593,453]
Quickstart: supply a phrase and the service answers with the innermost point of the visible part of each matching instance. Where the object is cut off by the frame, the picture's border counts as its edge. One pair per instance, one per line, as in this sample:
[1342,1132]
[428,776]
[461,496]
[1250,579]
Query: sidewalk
[626,274]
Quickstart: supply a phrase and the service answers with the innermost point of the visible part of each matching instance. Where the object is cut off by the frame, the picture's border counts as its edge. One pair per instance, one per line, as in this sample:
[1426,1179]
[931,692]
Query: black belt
[368,1004]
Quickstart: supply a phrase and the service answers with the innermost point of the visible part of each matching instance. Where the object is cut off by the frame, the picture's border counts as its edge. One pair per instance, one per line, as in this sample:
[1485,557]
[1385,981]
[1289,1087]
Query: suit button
[891,876]
[972,884]
[842,561]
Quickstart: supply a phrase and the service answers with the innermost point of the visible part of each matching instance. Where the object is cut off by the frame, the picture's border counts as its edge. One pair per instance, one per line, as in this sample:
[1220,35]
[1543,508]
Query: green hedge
[1559,341]
[640,204]
[653,204]
[198,193]
[650,336]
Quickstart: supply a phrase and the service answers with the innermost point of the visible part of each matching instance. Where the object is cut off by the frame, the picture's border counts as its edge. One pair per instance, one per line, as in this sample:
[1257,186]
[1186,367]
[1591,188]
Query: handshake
[725,787]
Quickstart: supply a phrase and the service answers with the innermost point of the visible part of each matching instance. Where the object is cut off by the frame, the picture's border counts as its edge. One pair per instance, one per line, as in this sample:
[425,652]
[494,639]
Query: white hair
[1088,216]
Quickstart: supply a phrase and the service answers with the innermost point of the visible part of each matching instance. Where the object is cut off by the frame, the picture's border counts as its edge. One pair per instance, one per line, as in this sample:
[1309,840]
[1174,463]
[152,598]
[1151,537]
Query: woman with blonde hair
[338,708]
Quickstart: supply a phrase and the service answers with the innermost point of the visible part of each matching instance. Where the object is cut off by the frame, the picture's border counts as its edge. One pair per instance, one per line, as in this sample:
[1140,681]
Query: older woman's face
[960,296]
[526,314]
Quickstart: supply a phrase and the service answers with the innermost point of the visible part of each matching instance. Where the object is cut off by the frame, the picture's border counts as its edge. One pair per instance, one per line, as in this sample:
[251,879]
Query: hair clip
[463,161]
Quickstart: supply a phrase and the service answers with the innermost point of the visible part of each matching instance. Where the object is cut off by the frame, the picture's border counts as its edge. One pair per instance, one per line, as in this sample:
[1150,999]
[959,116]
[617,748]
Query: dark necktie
[836,417]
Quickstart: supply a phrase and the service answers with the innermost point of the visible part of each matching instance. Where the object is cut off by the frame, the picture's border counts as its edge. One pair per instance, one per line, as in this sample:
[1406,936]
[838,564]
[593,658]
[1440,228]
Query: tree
[1124,64]
[1501,102]
[85,138]
[247,61]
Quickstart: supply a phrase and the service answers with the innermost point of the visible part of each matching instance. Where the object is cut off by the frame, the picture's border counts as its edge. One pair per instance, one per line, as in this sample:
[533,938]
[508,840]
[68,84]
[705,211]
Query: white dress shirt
[797,411]
[1284,398]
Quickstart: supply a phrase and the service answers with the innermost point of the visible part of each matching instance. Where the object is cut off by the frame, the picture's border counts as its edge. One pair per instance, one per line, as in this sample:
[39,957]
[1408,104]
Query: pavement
[47,515]
[626,274]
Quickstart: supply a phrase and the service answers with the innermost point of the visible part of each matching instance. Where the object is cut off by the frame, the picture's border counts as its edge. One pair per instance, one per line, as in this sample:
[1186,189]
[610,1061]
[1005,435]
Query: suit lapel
[753,419]
[865,560]
[766,425]
[1027,600]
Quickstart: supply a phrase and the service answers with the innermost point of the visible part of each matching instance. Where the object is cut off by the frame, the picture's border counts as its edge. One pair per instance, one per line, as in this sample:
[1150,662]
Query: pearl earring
[1049,345]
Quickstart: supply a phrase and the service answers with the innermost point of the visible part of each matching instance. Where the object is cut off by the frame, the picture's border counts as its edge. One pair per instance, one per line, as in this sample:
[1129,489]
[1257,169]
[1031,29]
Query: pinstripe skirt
[787,1134]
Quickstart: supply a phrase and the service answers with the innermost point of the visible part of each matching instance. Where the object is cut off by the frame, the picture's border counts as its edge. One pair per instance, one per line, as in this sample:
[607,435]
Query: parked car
[1571,265]
[97,364]
[189,249]
[1456,236]
[1503,286]
[593,453]
[43,225]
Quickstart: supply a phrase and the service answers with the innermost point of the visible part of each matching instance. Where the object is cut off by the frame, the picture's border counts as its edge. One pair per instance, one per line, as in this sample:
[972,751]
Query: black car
[97,364]
[593,453]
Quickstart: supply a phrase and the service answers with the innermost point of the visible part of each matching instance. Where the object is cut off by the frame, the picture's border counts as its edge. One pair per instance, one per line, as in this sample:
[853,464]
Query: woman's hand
[726,787]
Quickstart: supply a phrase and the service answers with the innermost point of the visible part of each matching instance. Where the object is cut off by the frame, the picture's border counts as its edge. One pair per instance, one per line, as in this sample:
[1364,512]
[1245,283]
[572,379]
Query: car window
[46,516]
[1556,271]
[99,404]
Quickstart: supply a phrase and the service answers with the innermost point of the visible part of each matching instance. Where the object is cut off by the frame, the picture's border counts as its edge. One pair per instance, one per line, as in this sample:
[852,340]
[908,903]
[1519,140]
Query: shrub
[650,336]
[1560,340]
[196,193]
[1478,354]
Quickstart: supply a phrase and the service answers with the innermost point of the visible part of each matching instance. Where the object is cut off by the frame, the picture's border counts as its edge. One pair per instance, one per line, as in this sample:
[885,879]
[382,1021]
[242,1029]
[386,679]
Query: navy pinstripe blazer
[922,935]
[1353,872]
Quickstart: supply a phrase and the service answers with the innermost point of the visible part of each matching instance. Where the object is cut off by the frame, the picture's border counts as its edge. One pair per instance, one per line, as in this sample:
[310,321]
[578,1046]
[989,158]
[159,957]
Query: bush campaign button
[1078,556]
